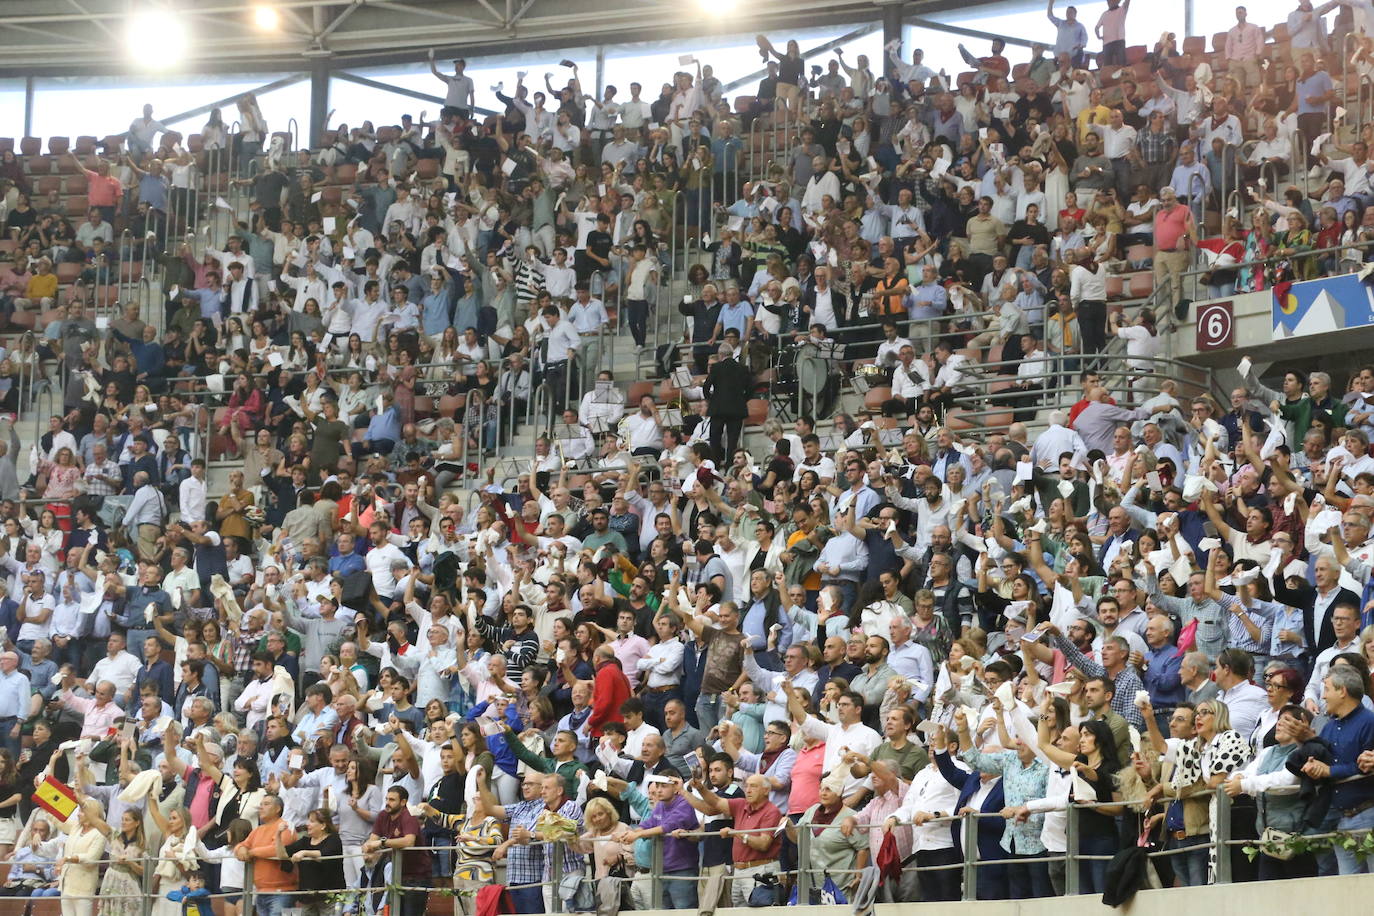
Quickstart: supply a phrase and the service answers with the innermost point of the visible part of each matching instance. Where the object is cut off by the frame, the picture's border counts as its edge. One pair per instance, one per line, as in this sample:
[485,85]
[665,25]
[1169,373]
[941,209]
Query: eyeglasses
[1206,712]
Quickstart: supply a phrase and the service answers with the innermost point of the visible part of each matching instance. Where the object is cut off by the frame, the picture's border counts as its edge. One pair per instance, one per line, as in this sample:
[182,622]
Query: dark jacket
[727,390]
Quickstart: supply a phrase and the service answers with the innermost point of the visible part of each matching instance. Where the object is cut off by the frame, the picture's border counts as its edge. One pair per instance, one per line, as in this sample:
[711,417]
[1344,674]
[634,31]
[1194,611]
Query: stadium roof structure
[89,37]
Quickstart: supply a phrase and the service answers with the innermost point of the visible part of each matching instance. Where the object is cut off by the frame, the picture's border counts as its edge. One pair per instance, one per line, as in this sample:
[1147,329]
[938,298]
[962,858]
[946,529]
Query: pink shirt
[1244,42]
[98,720]
[629,650]
[877,812]
[806,779]
[1170,226]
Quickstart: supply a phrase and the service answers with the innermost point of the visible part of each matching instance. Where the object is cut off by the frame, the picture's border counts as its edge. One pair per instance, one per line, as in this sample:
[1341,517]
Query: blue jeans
[1190,867]
[1092,873]
[527,899]
[708,711]
[1346,861]
[271,904]
[680,895]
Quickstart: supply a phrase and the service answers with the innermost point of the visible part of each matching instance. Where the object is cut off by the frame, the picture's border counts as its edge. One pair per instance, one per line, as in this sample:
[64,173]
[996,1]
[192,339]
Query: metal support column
[600,71]
[892,24]
[28,106]
[319,100]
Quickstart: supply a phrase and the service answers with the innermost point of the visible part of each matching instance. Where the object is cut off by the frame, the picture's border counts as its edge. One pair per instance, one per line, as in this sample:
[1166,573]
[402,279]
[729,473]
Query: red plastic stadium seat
[758,411]
[76,184]
[6,144]
[451,403]
[637,391]
[85,146]
[68,272]
[1142,284]
[1136,53]
[874,397]
[58,146]
[77,206]
[1114,286]
[31,146]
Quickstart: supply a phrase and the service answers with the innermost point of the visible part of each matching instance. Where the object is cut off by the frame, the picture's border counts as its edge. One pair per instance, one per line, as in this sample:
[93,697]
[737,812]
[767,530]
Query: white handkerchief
[275,359]
[223,204]
[508,166]
[1245,576]
[1024,470]
[1005,695]
[1244,367]
[330,223]
[1289,502]
[685,59]
[1062,689]
[1066,488]
[1207,545]
[315,198]
[215,383]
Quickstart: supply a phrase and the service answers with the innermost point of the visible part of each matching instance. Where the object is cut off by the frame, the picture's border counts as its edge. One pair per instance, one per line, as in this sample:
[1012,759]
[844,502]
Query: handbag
[766,891]
[1274,843]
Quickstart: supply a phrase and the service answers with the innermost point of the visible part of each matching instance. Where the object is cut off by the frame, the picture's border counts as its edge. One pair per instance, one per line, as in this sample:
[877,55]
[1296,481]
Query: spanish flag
[57,798]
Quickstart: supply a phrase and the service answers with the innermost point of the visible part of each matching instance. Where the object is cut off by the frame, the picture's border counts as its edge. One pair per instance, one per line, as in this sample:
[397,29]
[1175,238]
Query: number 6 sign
[1215,327]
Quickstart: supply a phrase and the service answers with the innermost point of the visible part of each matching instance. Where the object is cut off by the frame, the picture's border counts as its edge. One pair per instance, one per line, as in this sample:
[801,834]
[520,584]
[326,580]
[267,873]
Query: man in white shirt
[930,797]
[192,496]
[559,278]
[562,344]
[118,667]
[822,184]
[643,430]
[1118,143]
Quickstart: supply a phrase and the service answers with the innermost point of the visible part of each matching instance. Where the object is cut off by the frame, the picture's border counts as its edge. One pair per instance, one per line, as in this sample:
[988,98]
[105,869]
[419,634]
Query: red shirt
[748,817]
[610,688]
[414,863]
[102,190]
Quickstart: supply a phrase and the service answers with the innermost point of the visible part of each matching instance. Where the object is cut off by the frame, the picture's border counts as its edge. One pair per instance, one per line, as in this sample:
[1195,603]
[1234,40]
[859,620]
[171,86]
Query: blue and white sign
[1323,305]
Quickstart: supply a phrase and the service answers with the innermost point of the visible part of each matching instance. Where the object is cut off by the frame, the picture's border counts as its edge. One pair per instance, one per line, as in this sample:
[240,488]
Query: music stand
[606,393]
[599,425]
[670,418]
[564,433]
[681,377]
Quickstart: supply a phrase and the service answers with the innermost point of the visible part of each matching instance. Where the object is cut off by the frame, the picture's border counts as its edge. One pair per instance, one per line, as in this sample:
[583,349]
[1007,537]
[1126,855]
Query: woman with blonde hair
[82,852]
[604,838]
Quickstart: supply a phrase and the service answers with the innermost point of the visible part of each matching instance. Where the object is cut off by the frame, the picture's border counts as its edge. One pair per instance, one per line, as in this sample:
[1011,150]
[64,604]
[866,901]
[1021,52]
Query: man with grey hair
[14,701]
[726,391]
[1349,732]
[1194,673]
[143,519]
[1175,230]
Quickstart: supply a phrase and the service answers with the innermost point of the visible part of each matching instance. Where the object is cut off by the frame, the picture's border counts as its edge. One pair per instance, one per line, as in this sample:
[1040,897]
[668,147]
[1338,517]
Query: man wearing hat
[672,811]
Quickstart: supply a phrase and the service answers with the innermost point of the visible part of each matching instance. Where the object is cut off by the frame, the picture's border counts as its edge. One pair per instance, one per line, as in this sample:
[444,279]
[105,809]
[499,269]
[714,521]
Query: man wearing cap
[672,811]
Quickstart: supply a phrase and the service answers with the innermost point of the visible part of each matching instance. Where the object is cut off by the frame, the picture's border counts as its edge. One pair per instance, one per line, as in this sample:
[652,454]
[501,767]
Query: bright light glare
[717,7]
[157,40]
[266,18]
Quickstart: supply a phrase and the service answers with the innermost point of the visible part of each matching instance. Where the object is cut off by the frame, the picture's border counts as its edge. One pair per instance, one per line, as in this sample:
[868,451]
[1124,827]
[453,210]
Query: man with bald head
[1097,422]
[753,853]
[14,701]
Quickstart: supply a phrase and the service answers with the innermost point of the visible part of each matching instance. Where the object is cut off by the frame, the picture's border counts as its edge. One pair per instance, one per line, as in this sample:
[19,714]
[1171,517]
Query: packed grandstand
[648,499]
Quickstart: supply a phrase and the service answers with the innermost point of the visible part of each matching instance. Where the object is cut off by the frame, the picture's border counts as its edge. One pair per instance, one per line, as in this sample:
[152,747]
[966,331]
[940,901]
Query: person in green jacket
[562,762]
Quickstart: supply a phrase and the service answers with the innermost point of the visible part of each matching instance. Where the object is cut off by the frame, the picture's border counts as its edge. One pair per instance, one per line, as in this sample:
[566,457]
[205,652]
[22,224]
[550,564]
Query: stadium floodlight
[266,18]
[157,38]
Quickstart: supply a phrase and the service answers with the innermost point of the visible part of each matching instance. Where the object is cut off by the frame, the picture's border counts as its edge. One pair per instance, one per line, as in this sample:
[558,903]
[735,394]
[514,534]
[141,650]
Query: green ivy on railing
[1361,843]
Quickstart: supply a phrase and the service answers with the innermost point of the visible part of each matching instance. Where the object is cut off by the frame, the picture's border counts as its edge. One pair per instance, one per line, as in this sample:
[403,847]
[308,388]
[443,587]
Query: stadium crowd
[654,640]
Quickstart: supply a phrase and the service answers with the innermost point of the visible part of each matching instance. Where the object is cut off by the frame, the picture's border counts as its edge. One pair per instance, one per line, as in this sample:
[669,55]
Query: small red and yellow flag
[57,798]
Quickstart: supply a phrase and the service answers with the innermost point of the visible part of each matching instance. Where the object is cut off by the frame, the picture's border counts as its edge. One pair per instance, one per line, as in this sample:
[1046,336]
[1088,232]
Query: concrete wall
[1309,895]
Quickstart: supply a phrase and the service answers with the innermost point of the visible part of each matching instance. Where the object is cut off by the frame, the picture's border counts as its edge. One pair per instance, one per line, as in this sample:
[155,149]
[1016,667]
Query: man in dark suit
[727,402]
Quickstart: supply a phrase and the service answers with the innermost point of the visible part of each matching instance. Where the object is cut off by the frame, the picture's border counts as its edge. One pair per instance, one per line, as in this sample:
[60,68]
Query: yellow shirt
[1100,115]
